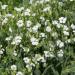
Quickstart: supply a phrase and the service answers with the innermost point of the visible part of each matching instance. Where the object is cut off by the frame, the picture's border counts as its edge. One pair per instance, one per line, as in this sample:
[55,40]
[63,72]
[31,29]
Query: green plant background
[64,66]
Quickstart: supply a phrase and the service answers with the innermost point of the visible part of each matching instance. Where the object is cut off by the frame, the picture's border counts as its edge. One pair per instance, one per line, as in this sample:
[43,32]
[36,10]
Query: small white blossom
[1,52]
[59,25]
[48,29]
[46,22]
[10,15]
[46,9]
[29,67]
[10,29]
[28,23]
[60,43]
[26,60]
[31,1]
[4,21]
[4,6]
[13,67]
[48,54]
[55,22]
[35,29]
[60,53]
[65,27]
[62,20]
[19,73]
[34,41]
[20,23]
[16,40]
[15,53]
[42,18]
[66,33]
[8,38]
[71,0]
[72,26]
[27,12]
[42,35]
[34,14]
[68,41]
[46,0]
[54,34]
[19,9]
[40,58]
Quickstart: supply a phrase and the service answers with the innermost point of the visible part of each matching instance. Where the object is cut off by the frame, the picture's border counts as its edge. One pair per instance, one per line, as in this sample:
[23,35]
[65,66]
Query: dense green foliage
[37,38]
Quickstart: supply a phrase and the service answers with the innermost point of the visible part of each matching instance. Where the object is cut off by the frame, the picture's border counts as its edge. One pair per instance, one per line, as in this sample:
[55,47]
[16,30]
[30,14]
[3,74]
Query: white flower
[29,67]
[10,15]
[55,22]
[38,24]
[1,52]
[41,1]
[10,29]
[68,41]
[42,35]
[59,25]
[27,12]
[29,29]
[65,28]
[20,23]
[54,34]
[32,64]
[26,60]
[48,54]
[40,58]
[58,42]
[34,14]
[61,45]
[60,53]
[42,18]
[4,21]
[16,40]
[72,26]
[66,33]
[31,1]
[28,23]
[19,73]
[35,29]
[62,19]
[48,29]
[46,22]
[61,3]
[13,67]
[8,38]
[4,6]
[46,0]
[46,9]
[15,53]
[73,31]
[71,0]
[34,41]
[19,9]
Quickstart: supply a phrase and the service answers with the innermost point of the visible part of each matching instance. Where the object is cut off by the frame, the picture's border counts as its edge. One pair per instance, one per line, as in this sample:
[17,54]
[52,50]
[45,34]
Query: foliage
[37,37]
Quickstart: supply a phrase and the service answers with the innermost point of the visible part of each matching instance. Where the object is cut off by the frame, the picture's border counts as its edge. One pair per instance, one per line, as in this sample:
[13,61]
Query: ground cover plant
[37,37]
